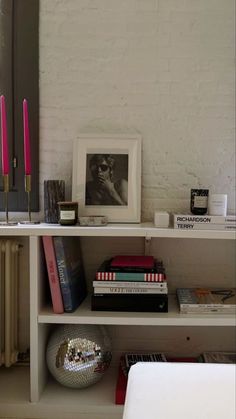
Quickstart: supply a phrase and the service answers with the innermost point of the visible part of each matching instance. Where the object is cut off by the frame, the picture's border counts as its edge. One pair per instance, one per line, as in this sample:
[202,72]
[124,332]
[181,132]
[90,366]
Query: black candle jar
[199,201]
[68,212]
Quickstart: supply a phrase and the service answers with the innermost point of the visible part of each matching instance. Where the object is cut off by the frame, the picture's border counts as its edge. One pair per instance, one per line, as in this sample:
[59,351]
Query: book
[131,261]
[219,357]
[132,358]
[207,300]
[135,302]
[196,226]
[182,359]
[70,271]
[104,273]
[126,362]
[129,290]
[129,284]
[121,384]
[53,277]
[204,219]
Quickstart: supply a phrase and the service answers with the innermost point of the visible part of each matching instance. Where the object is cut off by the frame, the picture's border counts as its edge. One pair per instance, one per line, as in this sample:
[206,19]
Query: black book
[130,302]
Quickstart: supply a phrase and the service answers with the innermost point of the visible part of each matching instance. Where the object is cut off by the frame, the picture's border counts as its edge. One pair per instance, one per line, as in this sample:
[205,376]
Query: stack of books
[207,300]
[129,359]
[218,357]
[126,361]
[130,283]
[204,222]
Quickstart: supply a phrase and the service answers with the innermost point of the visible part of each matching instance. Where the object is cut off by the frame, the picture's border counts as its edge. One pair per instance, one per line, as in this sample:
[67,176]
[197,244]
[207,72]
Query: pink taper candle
[26,138]
[5,160]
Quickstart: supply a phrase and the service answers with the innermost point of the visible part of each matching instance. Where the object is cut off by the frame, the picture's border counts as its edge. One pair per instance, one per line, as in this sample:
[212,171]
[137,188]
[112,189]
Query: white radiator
[9,272]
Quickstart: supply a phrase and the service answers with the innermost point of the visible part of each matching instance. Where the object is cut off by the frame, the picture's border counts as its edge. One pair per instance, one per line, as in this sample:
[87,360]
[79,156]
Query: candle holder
[6,190]
[28,190]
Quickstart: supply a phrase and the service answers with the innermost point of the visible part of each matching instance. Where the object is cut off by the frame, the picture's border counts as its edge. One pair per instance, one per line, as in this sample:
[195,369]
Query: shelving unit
[40,395]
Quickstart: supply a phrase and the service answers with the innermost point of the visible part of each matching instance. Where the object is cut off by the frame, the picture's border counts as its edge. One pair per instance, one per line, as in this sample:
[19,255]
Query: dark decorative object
[68,212]
[54,191]
[199,201]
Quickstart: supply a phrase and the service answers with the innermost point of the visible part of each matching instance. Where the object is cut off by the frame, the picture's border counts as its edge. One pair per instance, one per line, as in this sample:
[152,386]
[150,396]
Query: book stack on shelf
[129,359]
[207,300]
[126,362]
[204,222]
[218,357]
[130,283]
[65,272]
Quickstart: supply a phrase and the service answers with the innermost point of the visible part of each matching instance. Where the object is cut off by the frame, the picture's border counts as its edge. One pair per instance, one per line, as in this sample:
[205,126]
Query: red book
[121,385]
[53,277]
[147,262]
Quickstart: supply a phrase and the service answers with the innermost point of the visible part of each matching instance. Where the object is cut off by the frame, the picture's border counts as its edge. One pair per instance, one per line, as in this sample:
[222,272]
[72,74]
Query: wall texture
[163,68]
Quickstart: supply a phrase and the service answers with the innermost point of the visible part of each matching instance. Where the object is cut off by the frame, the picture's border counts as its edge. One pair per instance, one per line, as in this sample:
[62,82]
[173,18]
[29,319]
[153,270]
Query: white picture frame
[125,151]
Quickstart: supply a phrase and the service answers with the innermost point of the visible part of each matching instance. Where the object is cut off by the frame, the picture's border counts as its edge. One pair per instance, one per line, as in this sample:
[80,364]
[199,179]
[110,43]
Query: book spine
[128,290]
[131,284]
[53,277]
[196,226]
[63,274]
[204,219]
[130,276]
[202,310]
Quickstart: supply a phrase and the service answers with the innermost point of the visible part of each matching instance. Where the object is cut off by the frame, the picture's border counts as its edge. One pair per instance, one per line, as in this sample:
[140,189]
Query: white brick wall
[164,68]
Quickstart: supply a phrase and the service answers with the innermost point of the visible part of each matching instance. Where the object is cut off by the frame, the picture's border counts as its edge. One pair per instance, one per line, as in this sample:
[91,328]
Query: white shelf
[114,230]
[57,401]
[84,315]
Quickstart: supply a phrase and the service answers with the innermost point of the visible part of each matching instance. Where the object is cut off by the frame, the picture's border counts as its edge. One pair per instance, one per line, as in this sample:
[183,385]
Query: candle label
[200,201]
[67,215]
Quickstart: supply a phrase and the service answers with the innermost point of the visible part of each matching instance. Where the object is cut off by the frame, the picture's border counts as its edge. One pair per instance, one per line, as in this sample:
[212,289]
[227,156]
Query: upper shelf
[113,230]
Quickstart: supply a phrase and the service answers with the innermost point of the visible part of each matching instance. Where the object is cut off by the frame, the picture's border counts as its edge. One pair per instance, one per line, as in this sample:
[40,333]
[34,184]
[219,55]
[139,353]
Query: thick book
[53,277]
[207,300]
[196,226]
[105,273]
[129,290]
[204,219]
[135,302]
[70,270]
[133,261]
[132,358]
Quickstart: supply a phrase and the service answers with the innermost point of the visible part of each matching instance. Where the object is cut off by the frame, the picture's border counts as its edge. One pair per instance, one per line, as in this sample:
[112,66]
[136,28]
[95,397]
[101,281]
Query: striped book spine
[130,276]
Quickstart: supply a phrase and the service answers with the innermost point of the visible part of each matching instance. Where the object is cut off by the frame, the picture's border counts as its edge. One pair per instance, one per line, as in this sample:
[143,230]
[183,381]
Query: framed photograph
[106,177]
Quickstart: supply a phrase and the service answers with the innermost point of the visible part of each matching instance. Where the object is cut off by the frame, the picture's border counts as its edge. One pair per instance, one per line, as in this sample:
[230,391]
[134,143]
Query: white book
[130,284]
[207,300]
[204,219]
[196,226]
[128,290]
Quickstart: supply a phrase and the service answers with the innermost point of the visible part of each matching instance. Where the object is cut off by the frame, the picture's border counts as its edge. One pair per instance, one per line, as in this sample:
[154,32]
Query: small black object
[199,201]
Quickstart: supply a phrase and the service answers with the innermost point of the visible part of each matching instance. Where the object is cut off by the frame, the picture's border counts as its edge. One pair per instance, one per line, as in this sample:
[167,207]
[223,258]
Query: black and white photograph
[106,179]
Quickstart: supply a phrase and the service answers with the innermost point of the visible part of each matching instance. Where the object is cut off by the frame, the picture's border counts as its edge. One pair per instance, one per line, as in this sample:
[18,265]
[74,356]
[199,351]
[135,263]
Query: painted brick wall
[163,68]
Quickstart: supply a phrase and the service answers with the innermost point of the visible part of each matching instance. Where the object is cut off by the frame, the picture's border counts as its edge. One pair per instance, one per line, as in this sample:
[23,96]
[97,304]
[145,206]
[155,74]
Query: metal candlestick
[6,190]
[28,190]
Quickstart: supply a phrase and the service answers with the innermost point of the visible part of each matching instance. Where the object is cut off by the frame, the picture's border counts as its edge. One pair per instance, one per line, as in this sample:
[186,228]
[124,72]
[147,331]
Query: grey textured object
[54,191]
[78,355]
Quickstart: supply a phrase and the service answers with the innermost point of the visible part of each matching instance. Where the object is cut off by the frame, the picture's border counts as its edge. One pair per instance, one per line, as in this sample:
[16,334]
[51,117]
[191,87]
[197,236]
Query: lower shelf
[95,402]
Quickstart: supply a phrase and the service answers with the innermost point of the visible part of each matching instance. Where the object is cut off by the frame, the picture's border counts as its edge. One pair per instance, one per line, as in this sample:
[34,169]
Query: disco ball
[78,355]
